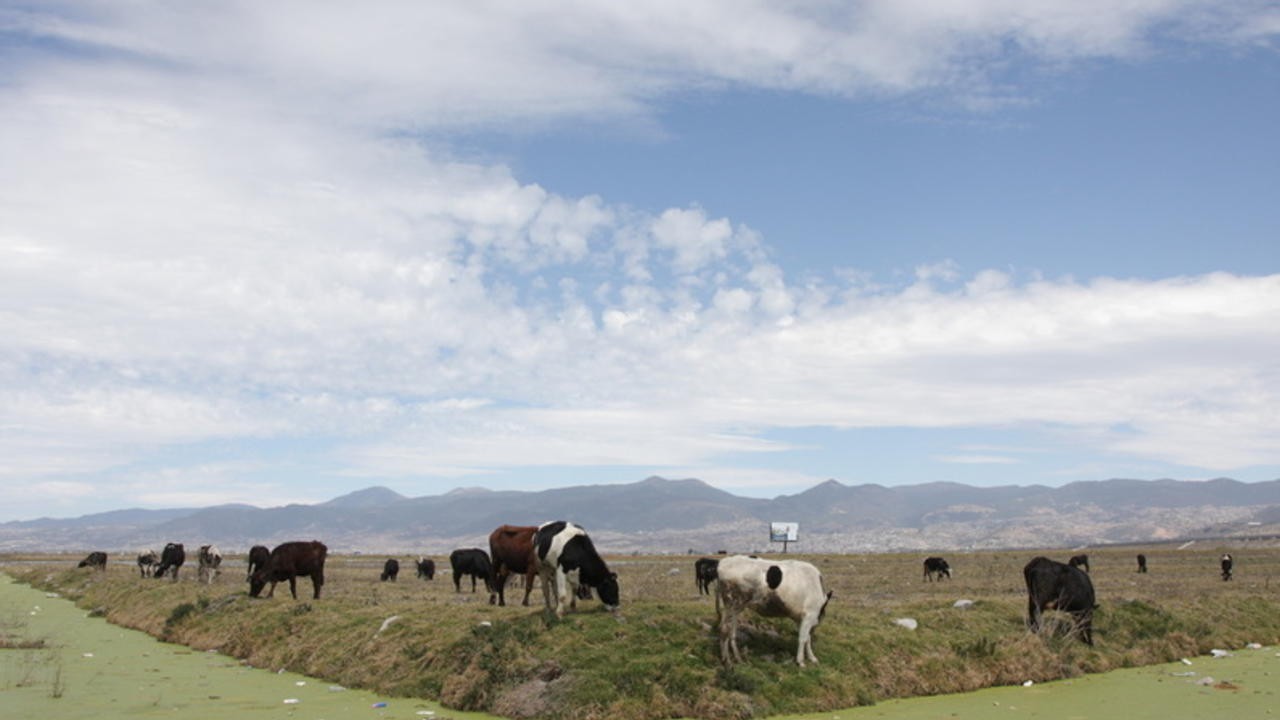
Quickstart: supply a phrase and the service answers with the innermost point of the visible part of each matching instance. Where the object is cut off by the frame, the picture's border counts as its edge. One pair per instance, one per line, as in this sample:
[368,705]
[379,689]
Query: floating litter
[291,701]
[1186,661]
[300,683]
[378,705]
[88,654]
[1219,653]
[1029,683]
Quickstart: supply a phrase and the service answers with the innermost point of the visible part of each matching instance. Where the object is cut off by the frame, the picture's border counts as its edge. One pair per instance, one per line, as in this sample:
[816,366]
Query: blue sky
[273,253]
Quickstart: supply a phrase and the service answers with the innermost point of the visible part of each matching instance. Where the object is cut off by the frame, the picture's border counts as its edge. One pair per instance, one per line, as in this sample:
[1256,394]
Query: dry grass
[657,658]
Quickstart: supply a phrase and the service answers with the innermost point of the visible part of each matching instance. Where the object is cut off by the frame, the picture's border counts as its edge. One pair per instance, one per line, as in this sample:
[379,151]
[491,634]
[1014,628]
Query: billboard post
[784,532]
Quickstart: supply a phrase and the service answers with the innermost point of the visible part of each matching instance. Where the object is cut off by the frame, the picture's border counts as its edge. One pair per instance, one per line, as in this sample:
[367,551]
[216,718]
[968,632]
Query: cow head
[608,591]
[257,581]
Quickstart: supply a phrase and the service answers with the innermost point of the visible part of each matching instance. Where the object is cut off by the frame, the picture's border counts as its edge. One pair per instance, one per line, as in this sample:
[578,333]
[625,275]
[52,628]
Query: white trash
[1219,653]
[962,604]
[908,623]
[1029,683]
[291,701]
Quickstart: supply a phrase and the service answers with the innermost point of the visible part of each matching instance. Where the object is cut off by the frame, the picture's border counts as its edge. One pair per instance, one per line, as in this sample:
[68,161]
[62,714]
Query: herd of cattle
[564,558]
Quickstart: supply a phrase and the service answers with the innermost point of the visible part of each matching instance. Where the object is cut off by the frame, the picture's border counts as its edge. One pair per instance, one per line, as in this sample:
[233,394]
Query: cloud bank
[230,223]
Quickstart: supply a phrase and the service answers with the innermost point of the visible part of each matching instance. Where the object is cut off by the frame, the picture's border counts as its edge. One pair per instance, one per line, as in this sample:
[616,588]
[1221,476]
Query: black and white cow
[704,573]
[96,560]
[1226,564]
[1142,563]
[258,556]
[472,562]
[1052,585]
[390,570]
[1079,561]
[772,588]
[171,558]
[936,566]
[210,560]
[426,568]
[567,559]
[147,562]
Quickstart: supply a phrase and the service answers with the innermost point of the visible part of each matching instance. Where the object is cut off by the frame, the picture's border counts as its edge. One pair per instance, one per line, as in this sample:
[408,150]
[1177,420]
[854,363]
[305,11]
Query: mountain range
[661,515]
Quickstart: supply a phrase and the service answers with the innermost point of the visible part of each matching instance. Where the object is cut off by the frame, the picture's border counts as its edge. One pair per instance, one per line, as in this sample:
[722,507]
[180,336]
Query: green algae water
[56,662]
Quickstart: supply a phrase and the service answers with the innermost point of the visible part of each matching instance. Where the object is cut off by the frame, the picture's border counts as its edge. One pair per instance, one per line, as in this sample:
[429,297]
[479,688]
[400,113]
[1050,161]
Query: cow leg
[293,586]
[805,647]
[1033,616]
[565,597]
[317,581]
[528,585]
[729,653]
[548,590]
[272,591]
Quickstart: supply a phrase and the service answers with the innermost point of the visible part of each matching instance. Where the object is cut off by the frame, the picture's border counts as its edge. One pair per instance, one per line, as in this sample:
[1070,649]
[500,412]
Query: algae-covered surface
[57,662]
[1235,687]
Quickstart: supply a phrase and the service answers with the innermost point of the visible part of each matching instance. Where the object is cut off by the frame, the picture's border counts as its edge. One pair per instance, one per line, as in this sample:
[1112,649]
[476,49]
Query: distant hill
[661,515]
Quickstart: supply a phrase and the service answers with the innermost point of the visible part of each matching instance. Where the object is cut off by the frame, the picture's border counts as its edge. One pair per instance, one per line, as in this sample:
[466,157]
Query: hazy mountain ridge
[660,515]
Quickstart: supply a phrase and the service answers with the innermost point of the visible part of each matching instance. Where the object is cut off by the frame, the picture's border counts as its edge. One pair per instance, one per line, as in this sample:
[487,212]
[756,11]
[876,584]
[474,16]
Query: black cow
[258,555]
[936,566]
[171,558]
[704,573]
[390,569]
[1079,561]
[1052,585]
[1226,566]
[96,560]
[473,562]
[147,562]
[290,561]
[567,560]
[426,568]
[1142,563]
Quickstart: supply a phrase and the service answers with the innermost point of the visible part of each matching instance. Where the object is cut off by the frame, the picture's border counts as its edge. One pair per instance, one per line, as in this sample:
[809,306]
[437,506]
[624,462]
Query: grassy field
[657,658]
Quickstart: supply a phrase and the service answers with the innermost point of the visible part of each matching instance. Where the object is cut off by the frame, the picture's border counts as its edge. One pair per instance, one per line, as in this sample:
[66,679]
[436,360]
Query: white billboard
[784,531]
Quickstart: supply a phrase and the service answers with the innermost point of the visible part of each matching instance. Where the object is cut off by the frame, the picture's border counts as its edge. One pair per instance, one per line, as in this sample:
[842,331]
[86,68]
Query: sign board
[784,532]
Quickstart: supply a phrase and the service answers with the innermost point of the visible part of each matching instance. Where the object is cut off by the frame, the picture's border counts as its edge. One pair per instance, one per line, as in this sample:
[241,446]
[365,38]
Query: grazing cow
[258,555]
[567,560]
[390,569]
[171,558]
[511,551]
[936,566]
[426,568]
[147,562]
[1079,561]
[1066,588]
[289,561]
[1142,563]
[473,562]
[773,588]
[96,560]
[1226,566]
[704,573]
[209,561]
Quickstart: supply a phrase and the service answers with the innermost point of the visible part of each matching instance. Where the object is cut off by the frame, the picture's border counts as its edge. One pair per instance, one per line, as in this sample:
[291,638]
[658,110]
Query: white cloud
[213,227]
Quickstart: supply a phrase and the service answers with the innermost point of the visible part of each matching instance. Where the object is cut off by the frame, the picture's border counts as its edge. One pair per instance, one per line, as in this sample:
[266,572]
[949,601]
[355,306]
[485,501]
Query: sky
[277,252]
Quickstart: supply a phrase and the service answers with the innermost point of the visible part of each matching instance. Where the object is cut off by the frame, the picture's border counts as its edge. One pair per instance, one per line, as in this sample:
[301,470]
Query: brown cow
[511,550]
[288,562]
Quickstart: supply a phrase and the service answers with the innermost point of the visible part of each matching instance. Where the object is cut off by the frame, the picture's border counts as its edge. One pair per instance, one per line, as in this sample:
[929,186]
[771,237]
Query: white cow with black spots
[773,588]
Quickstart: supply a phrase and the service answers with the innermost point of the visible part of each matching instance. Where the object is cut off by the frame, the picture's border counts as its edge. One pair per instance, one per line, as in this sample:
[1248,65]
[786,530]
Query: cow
[772,588]
[511,551]
[171,558]
[1079,561]
[567,560]
[936,566]
[390,569]
[96,560]
[704,573]
[289,561]
[147,562]
[472,562]
[1052,585]
[210,560]
[426,568]
[1142,563]
[258,555]
[1226,566]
